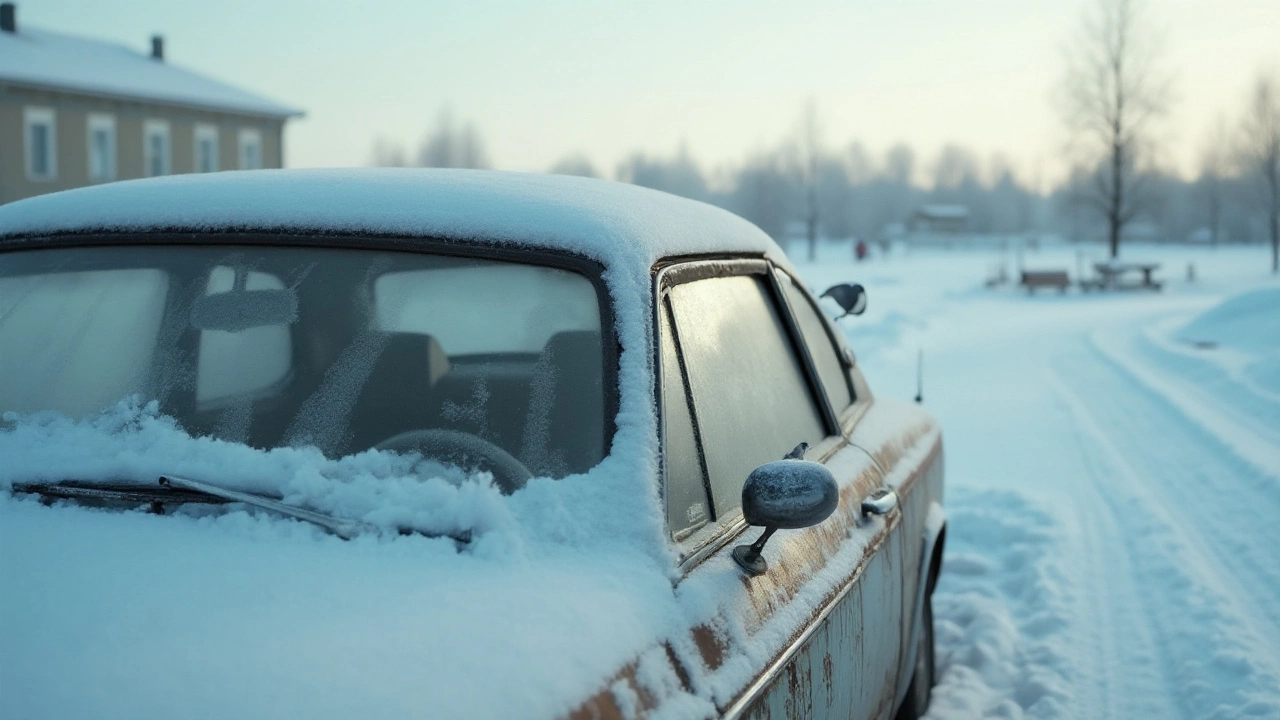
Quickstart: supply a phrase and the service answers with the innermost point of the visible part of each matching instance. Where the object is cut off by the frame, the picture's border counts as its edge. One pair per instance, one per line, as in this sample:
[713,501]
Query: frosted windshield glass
[340,349]
[74,342]
[236,363]
[470,310]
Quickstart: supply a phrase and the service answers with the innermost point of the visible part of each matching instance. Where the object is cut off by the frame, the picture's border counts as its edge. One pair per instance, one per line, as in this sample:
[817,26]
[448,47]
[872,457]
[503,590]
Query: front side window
[155,148]
[250,149]
[40,139]
[751,401]
[206,137]
[102,147]
[287,346]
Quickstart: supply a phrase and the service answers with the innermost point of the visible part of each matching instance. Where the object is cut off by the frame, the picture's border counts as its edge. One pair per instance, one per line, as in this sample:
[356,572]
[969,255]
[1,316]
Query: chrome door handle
[880,502]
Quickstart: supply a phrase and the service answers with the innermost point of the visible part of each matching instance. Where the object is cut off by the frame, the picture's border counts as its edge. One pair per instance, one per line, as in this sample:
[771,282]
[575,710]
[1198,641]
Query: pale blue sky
[542,80]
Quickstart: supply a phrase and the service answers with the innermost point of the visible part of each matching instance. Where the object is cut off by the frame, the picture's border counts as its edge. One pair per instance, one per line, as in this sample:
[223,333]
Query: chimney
[157,47]
[9,17]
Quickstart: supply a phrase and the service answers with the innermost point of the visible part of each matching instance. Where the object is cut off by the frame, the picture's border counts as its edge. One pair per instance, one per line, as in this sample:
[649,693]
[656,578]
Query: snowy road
[1113,486]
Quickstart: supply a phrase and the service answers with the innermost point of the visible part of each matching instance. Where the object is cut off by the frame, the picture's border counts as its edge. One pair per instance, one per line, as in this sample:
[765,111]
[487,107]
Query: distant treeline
[853,193]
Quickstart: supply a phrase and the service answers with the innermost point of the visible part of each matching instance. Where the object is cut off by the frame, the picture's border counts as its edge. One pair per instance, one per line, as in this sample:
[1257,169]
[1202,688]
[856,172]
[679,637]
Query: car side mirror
[784,495]
[851,297]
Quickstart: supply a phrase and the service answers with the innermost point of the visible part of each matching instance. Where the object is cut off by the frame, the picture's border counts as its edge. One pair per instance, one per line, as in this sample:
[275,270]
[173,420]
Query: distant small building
[939,219]
[76,111]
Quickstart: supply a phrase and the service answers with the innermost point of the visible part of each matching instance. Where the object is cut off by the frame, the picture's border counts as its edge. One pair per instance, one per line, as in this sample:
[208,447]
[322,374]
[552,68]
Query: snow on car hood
[229,613]
[129,615]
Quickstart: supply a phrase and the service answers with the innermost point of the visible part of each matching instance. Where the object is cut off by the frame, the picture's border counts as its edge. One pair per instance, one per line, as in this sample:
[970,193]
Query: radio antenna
[920,375]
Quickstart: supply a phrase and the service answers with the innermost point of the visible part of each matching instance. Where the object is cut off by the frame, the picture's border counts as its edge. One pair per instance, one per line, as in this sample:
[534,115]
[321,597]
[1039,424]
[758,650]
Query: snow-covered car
[444,444]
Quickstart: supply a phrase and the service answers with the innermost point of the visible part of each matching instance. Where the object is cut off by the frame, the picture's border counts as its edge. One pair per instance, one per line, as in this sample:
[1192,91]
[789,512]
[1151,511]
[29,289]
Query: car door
[739,386]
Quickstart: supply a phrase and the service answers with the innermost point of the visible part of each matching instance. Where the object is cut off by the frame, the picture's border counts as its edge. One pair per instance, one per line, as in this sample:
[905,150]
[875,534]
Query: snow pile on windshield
[133,442]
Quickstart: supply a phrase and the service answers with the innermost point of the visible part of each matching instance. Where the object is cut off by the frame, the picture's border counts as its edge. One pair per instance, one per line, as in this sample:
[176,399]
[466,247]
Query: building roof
[624,226]
[32,56]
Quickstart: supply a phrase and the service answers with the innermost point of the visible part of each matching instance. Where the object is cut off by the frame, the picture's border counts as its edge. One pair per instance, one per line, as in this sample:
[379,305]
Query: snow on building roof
[38,57]
[616,223]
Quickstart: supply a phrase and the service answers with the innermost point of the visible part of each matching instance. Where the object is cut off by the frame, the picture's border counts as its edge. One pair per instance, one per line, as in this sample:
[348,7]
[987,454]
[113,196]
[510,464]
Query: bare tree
[1260,140]
[1113,91]
[811,150]
[1213,169]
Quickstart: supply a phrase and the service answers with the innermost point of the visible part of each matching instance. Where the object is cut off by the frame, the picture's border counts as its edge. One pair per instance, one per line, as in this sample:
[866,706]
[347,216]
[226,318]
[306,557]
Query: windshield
[288,346]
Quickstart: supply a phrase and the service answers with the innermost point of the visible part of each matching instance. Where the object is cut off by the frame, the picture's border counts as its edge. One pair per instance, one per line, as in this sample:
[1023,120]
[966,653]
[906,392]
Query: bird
[797,453]
[848,297]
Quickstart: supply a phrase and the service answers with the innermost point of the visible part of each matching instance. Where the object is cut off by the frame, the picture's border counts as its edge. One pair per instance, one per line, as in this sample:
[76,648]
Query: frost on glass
[343,350]
[487,308]
[750,396]
[238,363]
[75,342]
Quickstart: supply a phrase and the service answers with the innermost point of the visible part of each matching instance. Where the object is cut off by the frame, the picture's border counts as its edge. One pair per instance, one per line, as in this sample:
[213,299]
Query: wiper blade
[177,490]
[345,529]
[115,492]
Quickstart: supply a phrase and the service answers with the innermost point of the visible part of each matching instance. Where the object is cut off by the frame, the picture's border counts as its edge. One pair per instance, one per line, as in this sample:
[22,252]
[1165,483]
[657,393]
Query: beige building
[76,111]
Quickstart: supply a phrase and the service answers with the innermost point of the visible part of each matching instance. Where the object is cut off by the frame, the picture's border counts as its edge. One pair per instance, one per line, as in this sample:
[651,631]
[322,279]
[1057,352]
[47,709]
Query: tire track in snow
[1240,438]
[1132,678]
[1196,475]
[1212,617]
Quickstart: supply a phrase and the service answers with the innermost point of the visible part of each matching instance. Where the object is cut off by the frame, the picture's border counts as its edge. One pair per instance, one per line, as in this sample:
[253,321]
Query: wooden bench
[1033,279]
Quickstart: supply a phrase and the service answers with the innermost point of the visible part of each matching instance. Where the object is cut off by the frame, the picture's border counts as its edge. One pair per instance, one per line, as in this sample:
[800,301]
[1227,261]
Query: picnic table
[1113,276]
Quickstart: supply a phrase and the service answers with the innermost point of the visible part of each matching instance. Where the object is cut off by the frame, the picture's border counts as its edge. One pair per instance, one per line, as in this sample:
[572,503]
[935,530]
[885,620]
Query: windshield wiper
[345,529]
[173,489]
[116,492]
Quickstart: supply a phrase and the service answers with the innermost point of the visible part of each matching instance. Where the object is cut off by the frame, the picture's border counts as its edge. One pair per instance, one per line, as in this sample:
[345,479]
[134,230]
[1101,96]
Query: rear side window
[751,400]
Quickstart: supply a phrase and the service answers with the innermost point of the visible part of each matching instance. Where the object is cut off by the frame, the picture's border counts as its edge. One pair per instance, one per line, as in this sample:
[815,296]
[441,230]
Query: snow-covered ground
[1113,478]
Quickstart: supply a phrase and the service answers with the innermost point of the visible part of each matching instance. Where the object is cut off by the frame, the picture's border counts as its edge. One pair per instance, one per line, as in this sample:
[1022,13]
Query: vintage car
[400,443]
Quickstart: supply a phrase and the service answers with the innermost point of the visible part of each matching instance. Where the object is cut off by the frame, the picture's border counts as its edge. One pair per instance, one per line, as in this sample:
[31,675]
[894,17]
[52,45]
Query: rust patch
[828,676]
[600,706]
[681,674]
[709,646]
[604,706]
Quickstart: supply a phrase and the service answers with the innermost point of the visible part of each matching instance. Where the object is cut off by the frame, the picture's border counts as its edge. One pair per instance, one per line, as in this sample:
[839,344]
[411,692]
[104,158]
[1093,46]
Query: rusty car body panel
[845,594]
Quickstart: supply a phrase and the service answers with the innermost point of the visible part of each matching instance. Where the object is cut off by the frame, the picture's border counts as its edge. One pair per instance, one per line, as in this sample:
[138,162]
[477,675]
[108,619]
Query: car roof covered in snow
[618,224]
[48,59]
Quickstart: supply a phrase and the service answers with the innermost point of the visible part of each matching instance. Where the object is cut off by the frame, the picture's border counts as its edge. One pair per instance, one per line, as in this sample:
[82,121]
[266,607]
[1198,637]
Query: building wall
[72,150]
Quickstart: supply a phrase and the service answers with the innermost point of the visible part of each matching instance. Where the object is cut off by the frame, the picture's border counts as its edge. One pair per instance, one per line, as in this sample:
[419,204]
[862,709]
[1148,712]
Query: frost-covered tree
[1260,150]
[449,145]
[1112,93]
[679,175]
[574,164]
[388,153]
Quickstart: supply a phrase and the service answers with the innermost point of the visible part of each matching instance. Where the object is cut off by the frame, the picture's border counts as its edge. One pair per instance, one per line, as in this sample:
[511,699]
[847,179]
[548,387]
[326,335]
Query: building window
[102,147]
[155,148]
[206,148]
[250,149]
[42,143]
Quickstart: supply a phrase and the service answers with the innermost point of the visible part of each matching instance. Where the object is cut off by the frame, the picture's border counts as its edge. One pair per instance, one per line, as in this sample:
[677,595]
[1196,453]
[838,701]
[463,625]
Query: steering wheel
[463,450]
